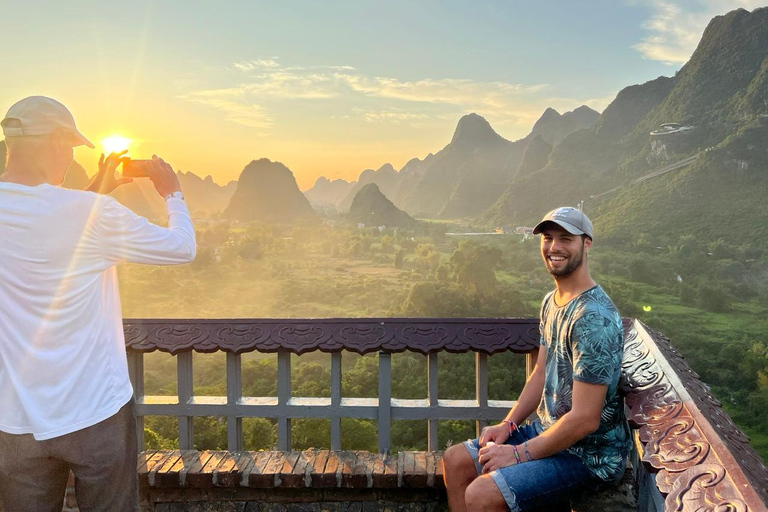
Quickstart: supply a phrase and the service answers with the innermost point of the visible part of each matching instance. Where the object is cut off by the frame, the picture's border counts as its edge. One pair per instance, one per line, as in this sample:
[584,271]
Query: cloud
[675,27]
[256,64]
[380,99]
[235,105]
[395,116]
[285,84]
[449,91]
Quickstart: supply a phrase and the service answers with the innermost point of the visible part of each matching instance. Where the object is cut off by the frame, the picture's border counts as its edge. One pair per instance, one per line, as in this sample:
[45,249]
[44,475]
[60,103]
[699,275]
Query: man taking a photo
[65,394]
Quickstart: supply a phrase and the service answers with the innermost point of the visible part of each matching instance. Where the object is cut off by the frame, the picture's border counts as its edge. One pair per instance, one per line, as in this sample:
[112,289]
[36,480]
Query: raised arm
[126,237]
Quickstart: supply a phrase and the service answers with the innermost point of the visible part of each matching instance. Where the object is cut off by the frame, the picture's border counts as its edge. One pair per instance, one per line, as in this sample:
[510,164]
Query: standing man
[65,395]
[581,437]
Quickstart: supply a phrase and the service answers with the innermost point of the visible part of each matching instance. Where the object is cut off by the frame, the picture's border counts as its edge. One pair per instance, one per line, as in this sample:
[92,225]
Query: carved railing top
[703,461]
[360,335]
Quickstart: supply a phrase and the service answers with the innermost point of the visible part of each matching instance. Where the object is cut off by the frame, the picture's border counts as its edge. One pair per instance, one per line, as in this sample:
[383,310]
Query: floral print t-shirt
[584,340]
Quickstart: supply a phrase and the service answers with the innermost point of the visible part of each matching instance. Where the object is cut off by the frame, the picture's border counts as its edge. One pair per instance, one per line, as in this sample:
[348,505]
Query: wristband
[517,455]
[512,425]
[527,453]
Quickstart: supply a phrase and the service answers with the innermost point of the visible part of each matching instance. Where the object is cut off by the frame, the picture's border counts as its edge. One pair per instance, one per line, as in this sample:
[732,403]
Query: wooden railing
[690,455]
[336,336]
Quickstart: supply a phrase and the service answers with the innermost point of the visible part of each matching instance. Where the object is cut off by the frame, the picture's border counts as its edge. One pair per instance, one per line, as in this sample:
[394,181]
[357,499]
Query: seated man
[582,437]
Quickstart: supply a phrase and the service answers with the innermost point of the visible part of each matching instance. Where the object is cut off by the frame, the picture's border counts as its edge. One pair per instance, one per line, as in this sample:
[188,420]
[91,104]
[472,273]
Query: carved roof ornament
[703,461]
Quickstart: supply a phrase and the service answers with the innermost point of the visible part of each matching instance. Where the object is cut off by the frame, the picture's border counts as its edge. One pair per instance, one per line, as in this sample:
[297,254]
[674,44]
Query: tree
[359,435]
[362,381]
[155,441]
[474,266]
[442,272]
[452,432]
[720,250]
[216,236]
[387,244]
[250,248]
[356,249]
[714,298]
[399,258]
[688,294]
[311,433]
[260,378]
[428,257]
[436,300]
[210,433]
[408,244]
[312,379]
[259,434]
[409,376]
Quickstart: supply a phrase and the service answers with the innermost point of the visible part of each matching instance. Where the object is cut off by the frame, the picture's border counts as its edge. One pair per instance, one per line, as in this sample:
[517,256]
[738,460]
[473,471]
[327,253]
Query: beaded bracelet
[512,425]
[517,455]
[527,453]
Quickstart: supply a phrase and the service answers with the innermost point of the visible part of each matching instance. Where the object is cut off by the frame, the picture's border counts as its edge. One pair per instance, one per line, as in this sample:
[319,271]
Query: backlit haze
[330,88]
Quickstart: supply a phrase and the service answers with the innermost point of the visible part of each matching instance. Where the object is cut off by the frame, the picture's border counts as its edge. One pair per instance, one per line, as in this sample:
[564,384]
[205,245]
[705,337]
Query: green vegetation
[710,298]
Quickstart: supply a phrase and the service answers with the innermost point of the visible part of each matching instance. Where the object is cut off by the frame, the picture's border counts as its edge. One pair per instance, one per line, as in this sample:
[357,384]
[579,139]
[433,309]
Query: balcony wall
[689,454]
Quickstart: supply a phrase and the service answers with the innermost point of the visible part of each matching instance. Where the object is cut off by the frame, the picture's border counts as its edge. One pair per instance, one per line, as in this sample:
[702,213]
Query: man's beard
[574,262]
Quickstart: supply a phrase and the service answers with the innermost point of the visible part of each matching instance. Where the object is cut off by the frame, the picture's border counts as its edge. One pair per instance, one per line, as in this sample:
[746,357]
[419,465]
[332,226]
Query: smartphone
[136,168]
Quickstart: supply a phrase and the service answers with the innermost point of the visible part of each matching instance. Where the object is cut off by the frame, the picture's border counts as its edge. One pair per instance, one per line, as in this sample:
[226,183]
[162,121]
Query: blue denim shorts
[539,484]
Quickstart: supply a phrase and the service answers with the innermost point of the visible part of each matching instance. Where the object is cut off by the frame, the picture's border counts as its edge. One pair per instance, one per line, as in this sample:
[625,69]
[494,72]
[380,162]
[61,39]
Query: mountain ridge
[715,96]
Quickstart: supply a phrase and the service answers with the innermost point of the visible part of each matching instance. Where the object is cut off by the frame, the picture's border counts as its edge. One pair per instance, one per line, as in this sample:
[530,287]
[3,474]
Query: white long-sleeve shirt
[63,362]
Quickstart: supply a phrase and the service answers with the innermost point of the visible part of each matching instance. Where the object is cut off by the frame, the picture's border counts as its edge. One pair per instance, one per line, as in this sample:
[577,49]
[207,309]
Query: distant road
[477,234]
[658,172]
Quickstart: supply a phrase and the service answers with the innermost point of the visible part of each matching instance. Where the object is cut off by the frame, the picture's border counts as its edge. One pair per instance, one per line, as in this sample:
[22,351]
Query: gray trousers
[33,474]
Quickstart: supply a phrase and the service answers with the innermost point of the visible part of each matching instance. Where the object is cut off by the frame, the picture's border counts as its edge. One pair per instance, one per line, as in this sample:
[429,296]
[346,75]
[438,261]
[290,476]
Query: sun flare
[116,144]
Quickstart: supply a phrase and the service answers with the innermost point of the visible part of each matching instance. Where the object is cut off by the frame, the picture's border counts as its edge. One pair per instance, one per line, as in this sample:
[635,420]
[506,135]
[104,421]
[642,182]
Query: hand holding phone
[136,168]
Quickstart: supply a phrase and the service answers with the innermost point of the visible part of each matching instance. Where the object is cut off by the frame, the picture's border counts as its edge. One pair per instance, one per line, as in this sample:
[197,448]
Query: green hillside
[720,96]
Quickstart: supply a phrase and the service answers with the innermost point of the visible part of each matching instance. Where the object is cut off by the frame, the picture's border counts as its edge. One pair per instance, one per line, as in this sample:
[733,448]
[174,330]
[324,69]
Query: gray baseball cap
[38,115]
[570,219]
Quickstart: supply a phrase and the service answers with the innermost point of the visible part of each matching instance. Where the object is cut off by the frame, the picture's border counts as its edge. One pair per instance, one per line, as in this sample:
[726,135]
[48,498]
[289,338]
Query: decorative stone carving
[697,450]
[705,488]
[362,335]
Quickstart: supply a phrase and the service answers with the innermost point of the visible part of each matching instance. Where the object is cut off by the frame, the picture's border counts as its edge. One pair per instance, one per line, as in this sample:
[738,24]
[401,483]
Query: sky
[330,87]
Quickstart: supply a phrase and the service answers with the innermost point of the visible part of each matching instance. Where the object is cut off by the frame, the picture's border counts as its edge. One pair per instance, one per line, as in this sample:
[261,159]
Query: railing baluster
[234,394]
[385,401]
[530,363]
[136,374]
[432,395]
[336,400]
[481,387]
[284,437]
[184,373]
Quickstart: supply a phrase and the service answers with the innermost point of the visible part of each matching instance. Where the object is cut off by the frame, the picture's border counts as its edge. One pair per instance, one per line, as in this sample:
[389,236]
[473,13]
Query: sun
[116,144]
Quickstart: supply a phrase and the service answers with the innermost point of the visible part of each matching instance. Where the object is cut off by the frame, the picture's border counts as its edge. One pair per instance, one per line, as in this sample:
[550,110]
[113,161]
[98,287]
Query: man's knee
[456,459]
[484,494]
